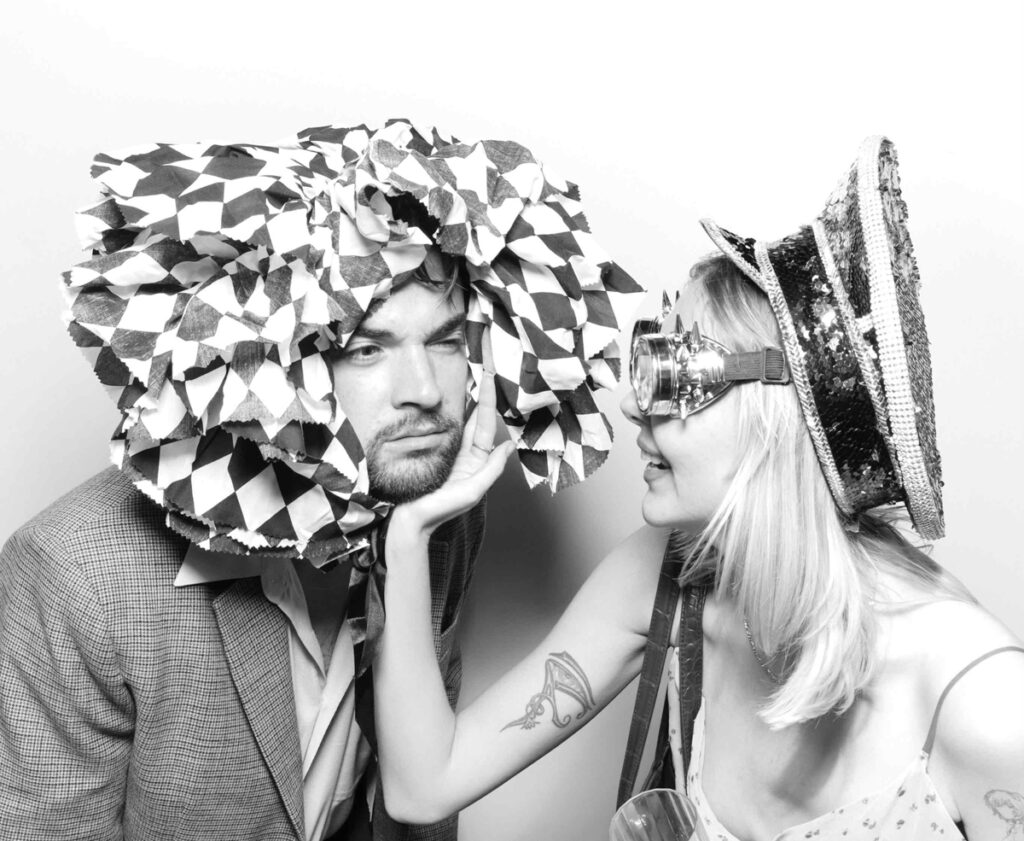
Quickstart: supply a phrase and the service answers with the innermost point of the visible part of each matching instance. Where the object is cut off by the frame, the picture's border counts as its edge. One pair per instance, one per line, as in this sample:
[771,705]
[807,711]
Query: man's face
[401,380]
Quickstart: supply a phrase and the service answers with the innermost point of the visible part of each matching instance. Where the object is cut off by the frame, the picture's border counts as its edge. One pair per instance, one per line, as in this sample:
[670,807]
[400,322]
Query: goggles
[677,374]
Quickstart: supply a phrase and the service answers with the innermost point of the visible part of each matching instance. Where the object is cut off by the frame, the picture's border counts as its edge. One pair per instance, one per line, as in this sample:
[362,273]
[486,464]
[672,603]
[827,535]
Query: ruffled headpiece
[221,275]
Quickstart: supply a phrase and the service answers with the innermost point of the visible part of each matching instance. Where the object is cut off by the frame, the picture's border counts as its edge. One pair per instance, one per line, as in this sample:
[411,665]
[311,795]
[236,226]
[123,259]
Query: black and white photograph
[512,421]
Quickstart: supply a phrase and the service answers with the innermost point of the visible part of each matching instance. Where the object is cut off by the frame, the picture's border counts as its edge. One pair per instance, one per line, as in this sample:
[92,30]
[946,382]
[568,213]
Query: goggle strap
[768,366]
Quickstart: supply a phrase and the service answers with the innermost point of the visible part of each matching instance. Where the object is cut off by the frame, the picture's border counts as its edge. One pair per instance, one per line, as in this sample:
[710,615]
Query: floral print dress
[909,808]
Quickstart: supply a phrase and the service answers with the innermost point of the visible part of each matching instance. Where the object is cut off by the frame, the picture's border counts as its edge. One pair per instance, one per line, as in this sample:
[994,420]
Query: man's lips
[415,437]
[415,432]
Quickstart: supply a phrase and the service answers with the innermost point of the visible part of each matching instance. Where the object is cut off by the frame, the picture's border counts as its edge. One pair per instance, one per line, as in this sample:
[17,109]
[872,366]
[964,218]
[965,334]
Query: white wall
[744,111]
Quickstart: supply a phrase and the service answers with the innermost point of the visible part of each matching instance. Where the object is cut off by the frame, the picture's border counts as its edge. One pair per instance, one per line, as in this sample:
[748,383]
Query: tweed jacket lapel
[255,635]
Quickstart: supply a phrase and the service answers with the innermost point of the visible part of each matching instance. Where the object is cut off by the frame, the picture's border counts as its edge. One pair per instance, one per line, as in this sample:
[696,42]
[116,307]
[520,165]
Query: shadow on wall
[521,584]
[534,558]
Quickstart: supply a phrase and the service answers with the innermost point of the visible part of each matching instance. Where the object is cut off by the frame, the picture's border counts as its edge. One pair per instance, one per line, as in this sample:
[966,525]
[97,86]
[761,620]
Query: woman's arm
[977,759]
[981,737]
[434,763]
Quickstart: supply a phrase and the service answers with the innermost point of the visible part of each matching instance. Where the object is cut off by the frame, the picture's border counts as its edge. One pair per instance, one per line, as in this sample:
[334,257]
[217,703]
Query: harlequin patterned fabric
[844,290]
[223,276]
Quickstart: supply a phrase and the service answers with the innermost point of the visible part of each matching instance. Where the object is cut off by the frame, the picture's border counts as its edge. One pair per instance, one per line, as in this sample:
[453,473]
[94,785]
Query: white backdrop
[747,112]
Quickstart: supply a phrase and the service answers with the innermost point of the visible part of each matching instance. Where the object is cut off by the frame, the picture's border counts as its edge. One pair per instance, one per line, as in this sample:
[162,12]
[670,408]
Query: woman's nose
[630,408]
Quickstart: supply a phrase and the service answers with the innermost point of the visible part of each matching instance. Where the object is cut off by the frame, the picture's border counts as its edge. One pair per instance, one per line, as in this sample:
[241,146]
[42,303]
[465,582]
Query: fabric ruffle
[222,275]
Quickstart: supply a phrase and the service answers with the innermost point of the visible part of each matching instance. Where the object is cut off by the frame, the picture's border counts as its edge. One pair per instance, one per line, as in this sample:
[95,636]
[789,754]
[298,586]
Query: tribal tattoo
[561,674]
[1008,806]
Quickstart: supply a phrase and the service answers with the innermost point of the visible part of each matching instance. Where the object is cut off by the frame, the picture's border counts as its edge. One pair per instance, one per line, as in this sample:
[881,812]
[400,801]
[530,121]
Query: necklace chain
[759,656]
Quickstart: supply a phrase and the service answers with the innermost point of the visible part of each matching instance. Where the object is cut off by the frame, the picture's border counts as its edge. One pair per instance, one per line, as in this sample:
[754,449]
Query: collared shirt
[335,754]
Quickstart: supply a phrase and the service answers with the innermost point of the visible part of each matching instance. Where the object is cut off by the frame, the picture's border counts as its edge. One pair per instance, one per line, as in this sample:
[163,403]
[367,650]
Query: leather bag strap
[691,667]
[651,671]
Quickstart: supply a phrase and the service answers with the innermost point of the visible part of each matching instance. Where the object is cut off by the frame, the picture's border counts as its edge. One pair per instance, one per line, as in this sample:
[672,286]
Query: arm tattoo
[561,674]
[1008,806]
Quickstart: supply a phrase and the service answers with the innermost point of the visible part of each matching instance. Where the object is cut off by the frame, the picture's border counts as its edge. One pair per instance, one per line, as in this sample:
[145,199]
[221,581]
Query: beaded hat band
[845,293]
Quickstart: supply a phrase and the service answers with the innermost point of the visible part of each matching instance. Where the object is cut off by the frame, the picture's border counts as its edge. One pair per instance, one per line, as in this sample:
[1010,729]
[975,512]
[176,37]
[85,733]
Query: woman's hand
[477,467]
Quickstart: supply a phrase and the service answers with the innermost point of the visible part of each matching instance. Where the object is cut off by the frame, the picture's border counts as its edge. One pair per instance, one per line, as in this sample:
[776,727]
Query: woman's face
[688,464]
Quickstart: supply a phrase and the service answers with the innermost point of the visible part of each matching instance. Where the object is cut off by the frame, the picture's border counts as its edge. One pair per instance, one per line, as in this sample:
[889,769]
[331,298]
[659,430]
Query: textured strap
[768,366]
[651,671]
[690,651]
[691,667]
[938,706]
[662,773]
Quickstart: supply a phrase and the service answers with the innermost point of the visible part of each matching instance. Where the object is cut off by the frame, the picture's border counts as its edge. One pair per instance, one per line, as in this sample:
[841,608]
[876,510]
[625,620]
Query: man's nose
[414,380]
[630,408]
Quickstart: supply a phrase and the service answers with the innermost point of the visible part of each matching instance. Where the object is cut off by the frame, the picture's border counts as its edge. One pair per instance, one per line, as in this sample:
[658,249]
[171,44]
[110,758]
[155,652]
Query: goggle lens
[680,373]
[654,373]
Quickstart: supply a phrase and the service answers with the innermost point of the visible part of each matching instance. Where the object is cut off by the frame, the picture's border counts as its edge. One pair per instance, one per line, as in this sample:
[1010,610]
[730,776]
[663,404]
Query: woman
[851,688]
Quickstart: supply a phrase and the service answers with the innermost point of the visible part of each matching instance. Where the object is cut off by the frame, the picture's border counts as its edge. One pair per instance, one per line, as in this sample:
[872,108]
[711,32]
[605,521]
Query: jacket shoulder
[102,527]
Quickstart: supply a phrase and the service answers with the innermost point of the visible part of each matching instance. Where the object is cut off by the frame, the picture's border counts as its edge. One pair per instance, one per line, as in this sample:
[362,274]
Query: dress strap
[938,706]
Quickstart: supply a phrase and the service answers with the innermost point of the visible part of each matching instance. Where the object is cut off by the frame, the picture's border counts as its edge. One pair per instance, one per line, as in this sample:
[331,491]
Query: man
[286,330]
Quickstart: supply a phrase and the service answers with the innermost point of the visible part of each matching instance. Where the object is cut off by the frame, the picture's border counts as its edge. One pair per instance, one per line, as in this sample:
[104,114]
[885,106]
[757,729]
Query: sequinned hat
[221,274]
[845,293]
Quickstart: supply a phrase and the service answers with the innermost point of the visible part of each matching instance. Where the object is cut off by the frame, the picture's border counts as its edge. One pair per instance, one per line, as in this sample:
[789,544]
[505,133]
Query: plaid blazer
[131,709]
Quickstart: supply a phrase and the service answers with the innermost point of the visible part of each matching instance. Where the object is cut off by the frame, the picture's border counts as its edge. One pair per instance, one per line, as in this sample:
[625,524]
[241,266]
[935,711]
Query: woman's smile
[654,463]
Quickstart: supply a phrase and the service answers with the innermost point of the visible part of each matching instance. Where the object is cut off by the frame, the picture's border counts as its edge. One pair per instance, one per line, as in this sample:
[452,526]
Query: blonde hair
[805,578]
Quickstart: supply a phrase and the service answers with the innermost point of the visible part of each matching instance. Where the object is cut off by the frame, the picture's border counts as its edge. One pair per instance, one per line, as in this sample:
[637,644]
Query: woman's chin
[656,513]
[661,513]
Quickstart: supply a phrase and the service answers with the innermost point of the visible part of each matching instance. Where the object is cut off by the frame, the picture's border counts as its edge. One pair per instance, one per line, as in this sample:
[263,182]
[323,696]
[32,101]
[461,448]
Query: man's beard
[408,477]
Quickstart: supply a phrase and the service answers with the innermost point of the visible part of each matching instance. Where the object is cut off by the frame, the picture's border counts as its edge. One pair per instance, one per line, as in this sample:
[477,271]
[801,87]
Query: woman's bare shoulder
[937,637]
[953,632]
[975,674]
[962,647]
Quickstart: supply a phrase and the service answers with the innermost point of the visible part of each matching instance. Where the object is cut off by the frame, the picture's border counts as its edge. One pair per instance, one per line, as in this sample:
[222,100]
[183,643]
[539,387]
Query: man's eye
[360,353]
[456,341]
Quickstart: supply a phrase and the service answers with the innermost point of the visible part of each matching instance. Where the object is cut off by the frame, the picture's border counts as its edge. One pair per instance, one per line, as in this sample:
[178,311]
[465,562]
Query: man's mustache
[418,423]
